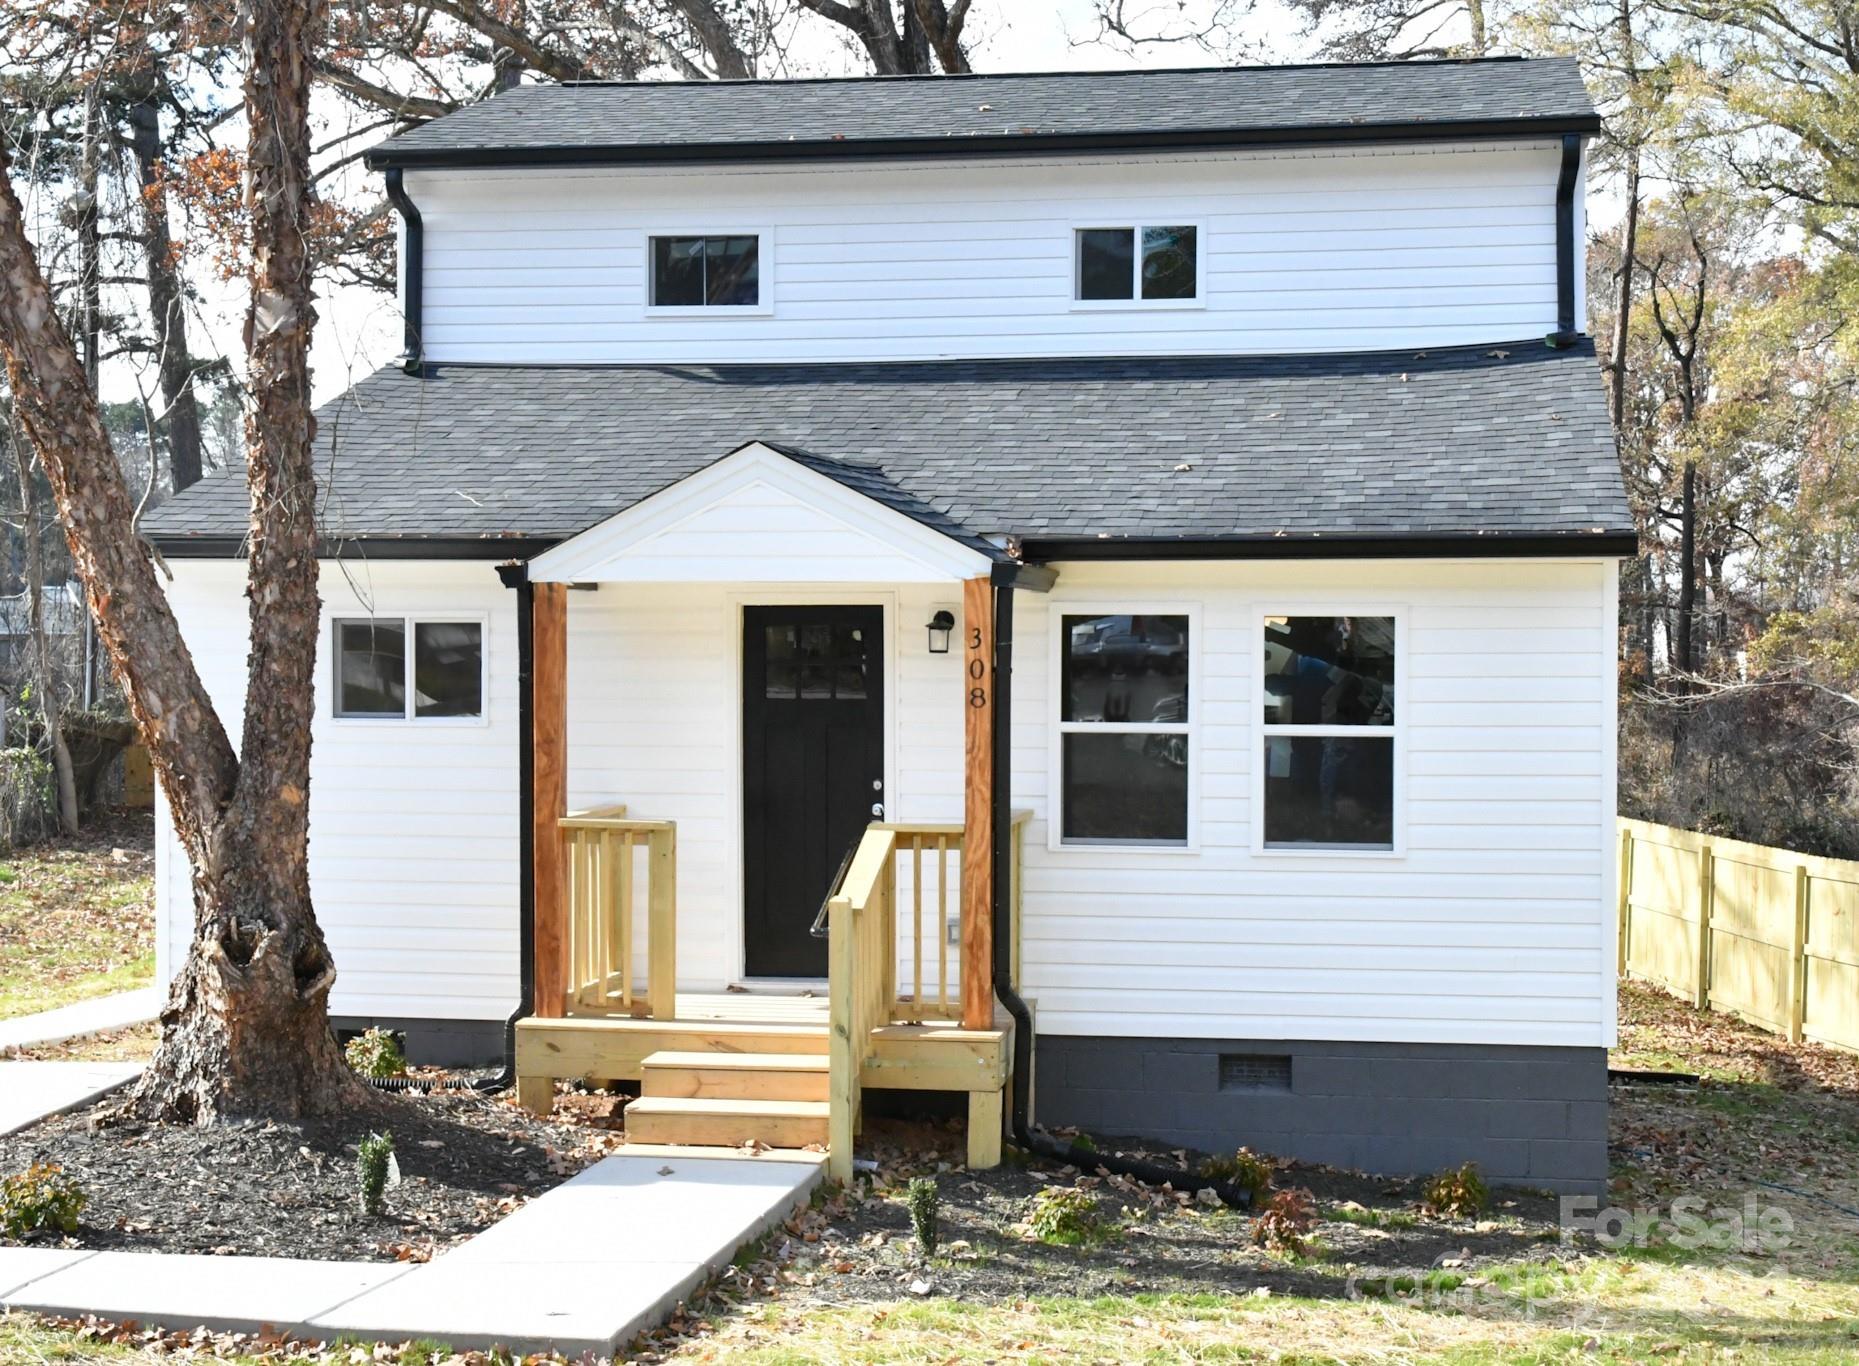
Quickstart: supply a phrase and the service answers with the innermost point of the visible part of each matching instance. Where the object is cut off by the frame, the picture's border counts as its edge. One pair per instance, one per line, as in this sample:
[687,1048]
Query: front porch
[751,675]
[782,1067]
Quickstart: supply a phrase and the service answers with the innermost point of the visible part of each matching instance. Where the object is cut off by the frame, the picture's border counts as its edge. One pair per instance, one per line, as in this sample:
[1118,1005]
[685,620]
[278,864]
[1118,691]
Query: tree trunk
[180,421]
[1623,298]
[1682,651]
[90,244]
[1475,13]
[245,1030]
[50,708]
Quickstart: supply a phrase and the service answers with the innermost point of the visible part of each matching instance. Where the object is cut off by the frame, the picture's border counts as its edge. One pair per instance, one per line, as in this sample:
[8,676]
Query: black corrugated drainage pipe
[1025,1136]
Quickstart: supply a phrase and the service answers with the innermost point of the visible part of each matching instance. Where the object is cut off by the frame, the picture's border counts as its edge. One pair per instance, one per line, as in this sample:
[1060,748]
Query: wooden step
[736,1076]
[726,1123]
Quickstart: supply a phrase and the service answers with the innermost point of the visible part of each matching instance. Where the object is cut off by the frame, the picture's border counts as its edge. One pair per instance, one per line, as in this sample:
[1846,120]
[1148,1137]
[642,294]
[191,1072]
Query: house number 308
[977,670]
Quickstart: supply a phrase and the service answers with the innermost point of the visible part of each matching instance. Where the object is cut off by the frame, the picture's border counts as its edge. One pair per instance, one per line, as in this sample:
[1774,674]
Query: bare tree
[245,1030]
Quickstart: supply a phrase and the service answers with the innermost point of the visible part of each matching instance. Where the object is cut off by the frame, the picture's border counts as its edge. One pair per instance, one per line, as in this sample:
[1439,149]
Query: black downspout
[514,576]
[412,358]
[1025,1136]
[1565,334]
[517,576]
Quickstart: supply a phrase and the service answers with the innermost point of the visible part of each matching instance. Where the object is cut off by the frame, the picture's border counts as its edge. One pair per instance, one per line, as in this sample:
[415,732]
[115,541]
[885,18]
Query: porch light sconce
[941,627]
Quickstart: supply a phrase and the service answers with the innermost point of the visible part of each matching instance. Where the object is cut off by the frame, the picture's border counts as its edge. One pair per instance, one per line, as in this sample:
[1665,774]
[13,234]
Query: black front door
[812,769]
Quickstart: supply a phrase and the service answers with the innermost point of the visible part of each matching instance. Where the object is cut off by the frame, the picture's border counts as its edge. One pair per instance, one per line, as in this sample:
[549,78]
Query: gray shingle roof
[658,118]
[1509,439]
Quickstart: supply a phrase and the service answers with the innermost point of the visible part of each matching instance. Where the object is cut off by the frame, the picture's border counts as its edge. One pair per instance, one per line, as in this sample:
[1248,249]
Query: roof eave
[217,546]
[972,145]
[1604,543]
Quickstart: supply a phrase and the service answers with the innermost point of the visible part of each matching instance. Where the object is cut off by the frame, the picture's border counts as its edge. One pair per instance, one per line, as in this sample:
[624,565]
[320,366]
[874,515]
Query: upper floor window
[707,272]
[378,677]
[1138,265]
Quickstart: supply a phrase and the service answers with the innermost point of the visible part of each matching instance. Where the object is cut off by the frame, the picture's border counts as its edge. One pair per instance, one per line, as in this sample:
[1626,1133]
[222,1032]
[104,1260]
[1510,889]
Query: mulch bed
[1152,1242]
[289,1190]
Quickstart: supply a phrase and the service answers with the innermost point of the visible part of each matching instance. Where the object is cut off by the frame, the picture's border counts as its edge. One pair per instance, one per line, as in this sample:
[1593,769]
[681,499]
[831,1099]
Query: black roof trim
[496,548]
[969,145]
[1308,546]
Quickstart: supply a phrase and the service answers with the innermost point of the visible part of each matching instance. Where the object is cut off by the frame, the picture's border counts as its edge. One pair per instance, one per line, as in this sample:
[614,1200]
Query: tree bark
[50,705]
[180,421]
[1623,298]
[1684,658]
[245,1030]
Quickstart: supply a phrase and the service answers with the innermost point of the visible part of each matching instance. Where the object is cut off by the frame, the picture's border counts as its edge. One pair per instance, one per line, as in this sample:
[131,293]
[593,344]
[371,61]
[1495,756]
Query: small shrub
[371,1164]
[1250,1171]
[1063,1215]
[924,1202]
[376,1054]
[1284,1221]
[1456,1193]
[40,1198]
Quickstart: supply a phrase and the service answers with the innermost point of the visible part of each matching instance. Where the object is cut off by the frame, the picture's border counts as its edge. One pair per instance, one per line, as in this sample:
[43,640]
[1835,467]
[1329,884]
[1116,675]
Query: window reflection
[1329,671]
[1125,668]
[1329,790]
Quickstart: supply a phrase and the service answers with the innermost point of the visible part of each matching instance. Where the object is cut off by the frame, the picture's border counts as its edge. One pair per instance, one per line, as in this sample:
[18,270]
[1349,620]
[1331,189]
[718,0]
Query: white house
[1165,522]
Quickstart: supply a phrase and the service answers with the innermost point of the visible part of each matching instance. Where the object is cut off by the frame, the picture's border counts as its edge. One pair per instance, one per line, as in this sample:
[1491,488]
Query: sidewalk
[80,1019]
[29,1091]
[582,1270]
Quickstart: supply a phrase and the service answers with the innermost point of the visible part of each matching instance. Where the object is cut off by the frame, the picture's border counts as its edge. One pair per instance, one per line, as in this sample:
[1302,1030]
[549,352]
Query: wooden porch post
[549,642]
[978,804]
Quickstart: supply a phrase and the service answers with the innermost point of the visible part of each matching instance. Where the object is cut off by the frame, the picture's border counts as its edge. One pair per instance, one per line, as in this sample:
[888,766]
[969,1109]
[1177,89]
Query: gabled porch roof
[767,513]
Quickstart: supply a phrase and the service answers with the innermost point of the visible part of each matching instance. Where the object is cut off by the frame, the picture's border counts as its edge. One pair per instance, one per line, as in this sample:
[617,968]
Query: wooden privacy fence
[1763,933]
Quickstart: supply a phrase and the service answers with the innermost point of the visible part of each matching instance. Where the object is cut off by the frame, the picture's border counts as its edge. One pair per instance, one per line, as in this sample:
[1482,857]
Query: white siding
[1312,250]
[654,721]
[413,825]
[1492,924]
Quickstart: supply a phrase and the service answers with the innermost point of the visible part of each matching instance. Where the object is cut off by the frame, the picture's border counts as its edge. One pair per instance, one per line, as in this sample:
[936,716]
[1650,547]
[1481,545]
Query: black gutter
[1565,334]
[1034,578]
[1025,1136]
[517,576]
[1316,546]
[210,547]
[982,144]
[415,263]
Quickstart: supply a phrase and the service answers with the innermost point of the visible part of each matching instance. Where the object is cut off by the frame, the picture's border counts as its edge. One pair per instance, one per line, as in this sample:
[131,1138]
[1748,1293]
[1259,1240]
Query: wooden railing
[880,942]
[607,857]
[862,977]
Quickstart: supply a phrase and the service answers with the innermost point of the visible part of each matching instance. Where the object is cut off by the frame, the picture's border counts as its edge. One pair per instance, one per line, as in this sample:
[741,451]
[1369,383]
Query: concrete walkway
[583,1269]
[29,1091]
[81,1019]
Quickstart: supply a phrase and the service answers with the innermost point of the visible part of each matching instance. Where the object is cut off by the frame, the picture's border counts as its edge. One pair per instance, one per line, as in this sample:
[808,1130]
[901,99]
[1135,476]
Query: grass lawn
[77,921]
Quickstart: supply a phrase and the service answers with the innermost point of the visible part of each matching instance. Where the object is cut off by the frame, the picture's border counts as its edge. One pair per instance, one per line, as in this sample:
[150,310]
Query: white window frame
[1061,608]
[764,275]
[1136,301]
[1263,730]
[409,620]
